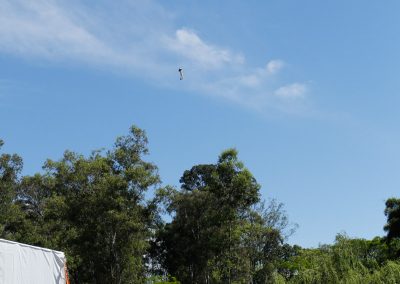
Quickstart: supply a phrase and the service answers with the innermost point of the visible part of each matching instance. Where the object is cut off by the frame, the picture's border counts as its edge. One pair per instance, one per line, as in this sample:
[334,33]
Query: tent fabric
[23,264]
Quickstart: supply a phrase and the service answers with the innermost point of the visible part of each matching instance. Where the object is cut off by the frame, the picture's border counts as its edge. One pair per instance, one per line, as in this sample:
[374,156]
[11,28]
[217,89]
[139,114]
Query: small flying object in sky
[180,70]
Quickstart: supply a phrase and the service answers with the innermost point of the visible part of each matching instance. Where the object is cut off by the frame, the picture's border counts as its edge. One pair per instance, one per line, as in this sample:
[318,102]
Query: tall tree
[11,216]
[208,238]
[392,212]
[96,211]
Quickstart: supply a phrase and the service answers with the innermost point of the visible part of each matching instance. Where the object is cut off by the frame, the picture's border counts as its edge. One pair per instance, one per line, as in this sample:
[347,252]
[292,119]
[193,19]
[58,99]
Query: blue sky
[307,91]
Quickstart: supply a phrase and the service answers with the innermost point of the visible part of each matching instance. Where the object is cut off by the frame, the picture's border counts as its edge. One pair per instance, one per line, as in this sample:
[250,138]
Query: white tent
[23,264]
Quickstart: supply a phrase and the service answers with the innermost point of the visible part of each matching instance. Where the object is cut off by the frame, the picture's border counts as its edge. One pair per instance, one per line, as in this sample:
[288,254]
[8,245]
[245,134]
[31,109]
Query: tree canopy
[93,208]
[215,228]
[217,235]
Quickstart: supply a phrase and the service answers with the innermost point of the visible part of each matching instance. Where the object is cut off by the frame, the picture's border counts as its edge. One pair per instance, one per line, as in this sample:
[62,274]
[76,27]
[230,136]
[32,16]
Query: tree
[201,244]
[11,216]
[392,212]
[217,235]
[94,209]
[346,261]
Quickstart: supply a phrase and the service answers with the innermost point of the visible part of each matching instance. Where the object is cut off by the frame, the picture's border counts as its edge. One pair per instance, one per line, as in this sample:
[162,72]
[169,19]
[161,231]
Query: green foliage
[94,209]
[162,280]
[98,205]
[11,217]
[217,235]
[392,212]
[347,261]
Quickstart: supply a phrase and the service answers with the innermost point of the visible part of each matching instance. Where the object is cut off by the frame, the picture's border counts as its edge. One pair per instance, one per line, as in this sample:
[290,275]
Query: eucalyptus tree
[217,235]
[97,211]
[392,212]
[10,214]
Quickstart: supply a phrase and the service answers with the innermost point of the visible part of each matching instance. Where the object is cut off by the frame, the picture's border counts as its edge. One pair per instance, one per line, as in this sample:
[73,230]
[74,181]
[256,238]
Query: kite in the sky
[180,70]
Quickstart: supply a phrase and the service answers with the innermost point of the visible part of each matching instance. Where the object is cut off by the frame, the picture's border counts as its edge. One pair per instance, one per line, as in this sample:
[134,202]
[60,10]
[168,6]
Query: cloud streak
[40,28]
[188,44]
[140,38]
[295,90]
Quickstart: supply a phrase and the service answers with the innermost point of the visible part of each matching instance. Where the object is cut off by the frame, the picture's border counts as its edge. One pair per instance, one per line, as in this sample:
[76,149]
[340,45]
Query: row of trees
[92,208]
[219,230]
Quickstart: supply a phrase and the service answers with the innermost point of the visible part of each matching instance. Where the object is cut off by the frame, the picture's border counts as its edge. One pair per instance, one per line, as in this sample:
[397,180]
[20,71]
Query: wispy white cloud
[258,76]
[41,28]
[188,44]
[274,66]
[295,90]
[139,37]
[70,31]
